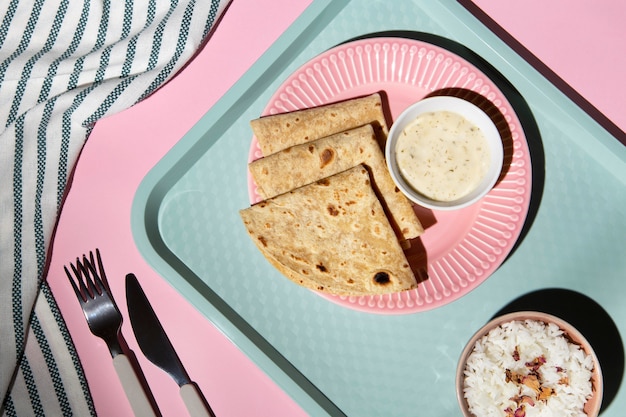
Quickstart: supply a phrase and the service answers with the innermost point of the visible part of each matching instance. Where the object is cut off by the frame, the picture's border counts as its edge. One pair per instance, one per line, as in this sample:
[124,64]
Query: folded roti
[331,236]
[306,163]
[281,131]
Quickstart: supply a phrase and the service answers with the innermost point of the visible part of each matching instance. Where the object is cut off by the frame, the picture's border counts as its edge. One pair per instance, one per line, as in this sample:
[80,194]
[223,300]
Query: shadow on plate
[591,320]
[517,101]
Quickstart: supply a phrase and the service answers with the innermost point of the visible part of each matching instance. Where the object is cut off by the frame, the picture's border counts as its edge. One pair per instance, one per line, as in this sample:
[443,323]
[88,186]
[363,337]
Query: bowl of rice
[528,364]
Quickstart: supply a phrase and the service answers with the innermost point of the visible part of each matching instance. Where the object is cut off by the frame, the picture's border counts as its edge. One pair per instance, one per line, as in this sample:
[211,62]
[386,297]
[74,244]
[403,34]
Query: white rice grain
[529,368]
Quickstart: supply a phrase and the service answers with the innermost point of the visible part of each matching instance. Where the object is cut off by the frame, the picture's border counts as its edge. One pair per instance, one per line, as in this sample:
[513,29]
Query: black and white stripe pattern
[64,64]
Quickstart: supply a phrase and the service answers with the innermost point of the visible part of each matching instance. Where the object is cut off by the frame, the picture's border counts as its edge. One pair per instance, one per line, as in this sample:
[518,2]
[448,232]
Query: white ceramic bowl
[592,406]
[472,113]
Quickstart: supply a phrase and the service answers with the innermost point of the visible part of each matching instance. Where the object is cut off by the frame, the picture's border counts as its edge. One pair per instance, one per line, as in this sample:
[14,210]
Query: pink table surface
[576,39]
[581,41]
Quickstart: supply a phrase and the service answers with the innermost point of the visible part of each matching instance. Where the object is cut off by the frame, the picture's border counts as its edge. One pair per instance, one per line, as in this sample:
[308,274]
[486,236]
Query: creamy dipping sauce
[442,155]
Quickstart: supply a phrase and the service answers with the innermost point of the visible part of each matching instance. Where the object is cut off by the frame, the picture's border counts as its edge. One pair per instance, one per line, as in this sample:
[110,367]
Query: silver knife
[157,347]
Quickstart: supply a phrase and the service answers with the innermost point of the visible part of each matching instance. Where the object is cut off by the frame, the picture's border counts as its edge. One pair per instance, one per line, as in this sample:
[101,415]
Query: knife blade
[156,346]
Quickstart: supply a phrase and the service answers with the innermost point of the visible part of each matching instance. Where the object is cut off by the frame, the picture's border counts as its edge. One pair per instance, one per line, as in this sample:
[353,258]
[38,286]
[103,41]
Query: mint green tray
[570,259]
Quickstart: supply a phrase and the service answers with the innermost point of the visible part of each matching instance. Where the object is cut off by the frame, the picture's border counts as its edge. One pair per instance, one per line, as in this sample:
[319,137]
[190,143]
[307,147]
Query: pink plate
[459,249]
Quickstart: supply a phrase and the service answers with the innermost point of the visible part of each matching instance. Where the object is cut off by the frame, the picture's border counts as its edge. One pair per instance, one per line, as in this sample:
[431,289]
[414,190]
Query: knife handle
[139,401]
[195,402]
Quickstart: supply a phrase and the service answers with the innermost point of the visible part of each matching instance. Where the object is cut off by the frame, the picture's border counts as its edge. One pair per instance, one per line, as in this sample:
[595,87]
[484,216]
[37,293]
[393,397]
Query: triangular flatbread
[280,131]
[303,164]
[331,236]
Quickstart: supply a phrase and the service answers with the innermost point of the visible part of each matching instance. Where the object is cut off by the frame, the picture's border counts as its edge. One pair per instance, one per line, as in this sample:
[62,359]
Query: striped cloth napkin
[64,64]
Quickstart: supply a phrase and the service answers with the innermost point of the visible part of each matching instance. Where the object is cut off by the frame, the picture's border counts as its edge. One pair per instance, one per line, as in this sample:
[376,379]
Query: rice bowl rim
[591,407]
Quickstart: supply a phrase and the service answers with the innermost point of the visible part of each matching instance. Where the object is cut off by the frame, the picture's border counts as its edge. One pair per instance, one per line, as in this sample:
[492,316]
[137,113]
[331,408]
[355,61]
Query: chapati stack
[331,218]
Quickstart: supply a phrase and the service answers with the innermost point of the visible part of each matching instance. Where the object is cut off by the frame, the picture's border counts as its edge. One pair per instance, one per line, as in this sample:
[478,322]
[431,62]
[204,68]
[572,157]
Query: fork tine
[103,275]
[91,276]
[85,273]
[79,273]
[79,294]
[95,280]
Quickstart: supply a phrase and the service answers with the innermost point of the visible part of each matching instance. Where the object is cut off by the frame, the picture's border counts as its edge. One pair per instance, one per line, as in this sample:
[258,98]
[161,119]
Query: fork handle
[139,401]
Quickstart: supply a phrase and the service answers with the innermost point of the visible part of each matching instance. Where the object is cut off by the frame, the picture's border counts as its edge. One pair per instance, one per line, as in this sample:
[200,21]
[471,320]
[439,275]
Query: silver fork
[105,321]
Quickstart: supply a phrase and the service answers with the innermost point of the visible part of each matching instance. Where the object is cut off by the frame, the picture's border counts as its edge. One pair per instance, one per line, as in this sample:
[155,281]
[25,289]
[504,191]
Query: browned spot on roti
[382,278]
[326,157]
